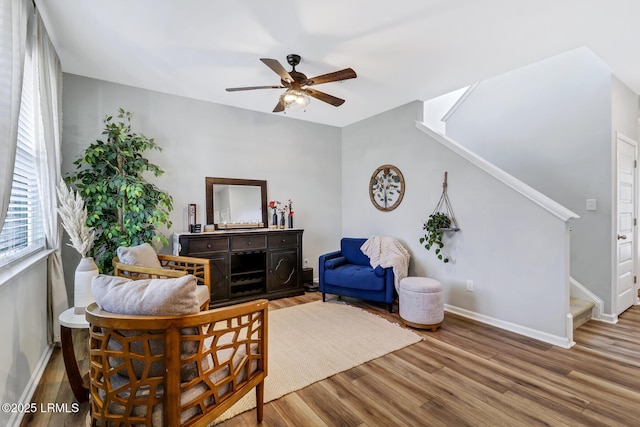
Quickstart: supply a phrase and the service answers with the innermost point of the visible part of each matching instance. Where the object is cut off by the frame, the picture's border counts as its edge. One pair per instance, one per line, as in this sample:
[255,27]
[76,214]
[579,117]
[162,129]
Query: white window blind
[23,230]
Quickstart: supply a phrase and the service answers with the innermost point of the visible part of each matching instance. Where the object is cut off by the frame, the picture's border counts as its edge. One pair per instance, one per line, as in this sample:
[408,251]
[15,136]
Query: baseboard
[606,318]
[27,394]
[569,329]
[556,340]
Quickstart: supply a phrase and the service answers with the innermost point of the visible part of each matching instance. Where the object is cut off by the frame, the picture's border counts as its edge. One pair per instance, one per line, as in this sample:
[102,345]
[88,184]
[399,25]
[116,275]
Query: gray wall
[550,125]
[513,250]
[299,160]
[624,110]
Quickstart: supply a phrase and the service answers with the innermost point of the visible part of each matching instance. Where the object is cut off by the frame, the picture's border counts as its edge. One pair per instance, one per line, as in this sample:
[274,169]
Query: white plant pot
[82,295]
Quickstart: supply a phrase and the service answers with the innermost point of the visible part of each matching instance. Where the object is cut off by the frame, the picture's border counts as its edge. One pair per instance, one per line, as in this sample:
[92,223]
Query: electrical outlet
[470,285]
[306,263]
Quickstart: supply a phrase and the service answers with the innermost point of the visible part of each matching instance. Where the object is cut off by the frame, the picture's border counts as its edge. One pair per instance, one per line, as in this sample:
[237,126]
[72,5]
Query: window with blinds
[23,230]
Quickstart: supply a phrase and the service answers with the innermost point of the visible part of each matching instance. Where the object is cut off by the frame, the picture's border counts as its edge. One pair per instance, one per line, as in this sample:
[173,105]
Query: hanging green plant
[434,231]
[122,207]
[438,223]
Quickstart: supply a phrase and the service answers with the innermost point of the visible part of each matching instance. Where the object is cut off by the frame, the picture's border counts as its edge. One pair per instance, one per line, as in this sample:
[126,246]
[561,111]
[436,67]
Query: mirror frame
[388,172]
[211,181]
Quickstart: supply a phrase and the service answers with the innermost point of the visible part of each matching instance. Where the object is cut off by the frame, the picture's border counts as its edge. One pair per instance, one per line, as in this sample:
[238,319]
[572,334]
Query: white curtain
[48,134]
[13,38]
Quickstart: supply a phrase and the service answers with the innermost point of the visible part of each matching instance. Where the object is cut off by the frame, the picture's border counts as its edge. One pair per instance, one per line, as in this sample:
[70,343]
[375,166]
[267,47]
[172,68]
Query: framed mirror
[236,203]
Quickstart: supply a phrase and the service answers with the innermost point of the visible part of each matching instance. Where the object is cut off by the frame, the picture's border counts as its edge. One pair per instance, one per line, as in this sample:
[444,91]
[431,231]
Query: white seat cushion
[420,284]
[202,293]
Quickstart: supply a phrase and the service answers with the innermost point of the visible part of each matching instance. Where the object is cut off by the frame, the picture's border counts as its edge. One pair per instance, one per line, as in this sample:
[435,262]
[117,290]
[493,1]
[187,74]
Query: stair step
[581,311]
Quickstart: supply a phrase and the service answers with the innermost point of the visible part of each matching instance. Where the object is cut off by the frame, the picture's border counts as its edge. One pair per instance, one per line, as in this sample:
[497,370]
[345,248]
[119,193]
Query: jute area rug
[313,341]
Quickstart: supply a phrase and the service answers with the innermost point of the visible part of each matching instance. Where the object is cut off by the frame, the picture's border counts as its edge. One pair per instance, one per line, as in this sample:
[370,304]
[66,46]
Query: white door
[625,293]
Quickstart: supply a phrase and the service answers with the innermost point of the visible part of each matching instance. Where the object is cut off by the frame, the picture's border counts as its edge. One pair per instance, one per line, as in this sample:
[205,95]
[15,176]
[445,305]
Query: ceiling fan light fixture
[298,92]
[295,98]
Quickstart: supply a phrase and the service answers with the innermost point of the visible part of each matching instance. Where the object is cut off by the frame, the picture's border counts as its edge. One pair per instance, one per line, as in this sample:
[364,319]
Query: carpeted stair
[581,311]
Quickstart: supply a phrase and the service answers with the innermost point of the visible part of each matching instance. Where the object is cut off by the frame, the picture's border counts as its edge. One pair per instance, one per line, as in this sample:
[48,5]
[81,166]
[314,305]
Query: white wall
[624,110]
[437,108]
[512,249]
[300,160]
[549,124]
[23,328]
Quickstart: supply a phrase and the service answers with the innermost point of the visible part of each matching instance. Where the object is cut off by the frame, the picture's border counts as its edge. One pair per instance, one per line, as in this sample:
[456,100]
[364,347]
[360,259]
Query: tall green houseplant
[122,207]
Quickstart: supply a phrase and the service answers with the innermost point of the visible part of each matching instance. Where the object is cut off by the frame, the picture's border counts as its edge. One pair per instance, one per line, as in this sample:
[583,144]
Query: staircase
[581,311]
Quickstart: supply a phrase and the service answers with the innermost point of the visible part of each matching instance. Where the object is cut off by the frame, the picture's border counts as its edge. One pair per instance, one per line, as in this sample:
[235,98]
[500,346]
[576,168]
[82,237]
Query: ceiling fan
[297,84]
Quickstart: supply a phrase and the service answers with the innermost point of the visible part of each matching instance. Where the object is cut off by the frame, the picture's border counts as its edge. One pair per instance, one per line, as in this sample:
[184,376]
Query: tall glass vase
[274,219]
[282,220]
[290,221]
[82,295]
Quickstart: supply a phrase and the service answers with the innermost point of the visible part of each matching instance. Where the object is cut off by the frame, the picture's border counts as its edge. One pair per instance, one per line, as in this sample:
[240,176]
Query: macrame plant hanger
[444,206]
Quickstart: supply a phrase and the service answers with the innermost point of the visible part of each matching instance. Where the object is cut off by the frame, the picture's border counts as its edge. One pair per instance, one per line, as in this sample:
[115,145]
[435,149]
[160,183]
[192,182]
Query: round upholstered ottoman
[421,303]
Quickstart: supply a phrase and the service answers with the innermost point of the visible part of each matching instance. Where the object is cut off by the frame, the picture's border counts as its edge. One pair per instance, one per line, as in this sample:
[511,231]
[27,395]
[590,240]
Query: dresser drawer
[243,243]
[220,244]
[279,240]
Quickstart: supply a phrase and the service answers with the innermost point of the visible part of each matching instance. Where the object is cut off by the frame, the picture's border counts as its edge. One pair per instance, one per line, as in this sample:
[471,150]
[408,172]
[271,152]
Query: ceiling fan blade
[279,107]
[236,89]
[345,74]
[329,99]
[278,69]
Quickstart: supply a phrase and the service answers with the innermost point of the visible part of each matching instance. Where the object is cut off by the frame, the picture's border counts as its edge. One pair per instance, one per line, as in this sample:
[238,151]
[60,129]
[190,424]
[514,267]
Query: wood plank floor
[466,374]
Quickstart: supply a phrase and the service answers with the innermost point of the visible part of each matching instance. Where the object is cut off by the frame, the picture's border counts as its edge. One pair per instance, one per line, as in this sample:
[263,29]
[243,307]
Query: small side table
[68,321]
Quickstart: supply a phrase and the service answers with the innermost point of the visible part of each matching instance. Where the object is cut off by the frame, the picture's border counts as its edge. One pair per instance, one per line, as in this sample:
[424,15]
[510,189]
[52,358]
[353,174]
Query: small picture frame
[192,214]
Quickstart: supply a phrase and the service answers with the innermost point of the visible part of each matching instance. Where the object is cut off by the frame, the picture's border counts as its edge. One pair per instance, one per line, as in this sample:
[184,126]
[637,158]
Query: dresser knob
[249,243]
[208,245]
[283,240]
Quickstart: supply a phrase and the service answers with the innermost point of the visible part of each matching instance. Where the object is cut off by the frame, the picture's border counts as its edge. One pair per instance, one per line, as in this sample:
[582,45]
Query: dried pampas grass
[74,219]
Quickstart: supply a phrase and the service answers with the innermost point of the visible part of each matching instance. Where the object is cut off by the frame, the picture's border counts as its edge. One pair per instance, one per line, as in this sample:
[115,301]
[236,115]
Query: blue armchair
[348,273]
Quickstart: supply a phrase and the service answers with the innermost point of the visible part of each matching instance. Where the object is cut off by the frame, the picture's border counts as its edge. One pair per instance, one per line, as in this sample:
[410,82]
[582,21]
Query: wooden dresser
[247,264]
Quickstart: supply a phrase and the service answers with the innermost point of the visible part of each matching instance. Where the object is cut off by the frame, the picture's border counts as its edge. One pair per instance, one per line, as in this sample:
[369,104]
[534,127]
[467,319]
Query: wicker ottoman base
[431,328]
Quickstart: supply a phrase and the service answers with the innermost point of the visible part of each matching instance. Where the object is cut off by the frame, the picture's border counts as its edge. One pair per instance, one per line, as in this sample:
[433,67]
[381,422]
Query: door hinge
[634,279]
[635,221]
[635,163]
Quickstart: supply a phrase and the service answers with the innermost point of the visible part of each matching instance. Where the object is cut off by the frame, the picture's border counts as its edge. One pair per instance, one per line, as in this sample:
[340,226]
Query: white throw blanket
[387,252]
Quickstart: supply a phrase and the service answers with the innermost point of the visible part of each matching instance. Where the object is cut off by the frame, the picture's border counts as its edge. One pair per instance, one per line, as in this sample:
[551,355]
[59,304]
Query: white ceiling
[402,50]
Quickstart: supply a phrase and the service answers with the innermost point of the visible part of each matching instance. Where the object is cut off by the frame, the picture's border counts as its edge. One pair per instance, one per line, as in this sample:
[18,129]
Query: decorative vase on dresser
[82,295]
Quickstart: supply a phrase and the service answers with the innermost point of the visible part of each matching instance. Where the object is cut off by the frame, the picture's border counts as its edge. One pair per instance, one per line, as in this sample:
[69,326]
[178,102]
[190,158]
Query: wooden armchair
[175,370]
[172,266]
